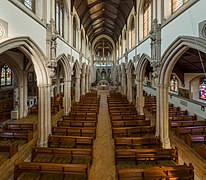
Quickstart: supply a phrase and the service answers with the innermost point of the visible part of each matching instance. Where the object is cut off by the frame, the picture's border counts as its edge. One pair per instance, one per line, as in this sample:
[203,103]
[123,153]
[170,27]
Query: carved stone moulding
[202,29]
[3,29]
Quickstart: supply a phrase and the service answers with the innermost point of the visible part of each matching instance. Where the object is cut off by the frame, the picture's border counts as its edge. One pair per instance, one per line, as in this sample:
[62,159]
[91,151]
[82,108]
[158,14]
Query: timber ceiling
[191,61]
[106,17]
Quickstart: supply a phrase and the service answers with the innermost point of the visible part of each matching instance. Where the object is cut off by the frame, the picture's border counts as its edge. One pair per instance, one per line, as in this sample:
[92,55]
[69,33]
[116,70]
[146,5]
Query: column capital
[43,85]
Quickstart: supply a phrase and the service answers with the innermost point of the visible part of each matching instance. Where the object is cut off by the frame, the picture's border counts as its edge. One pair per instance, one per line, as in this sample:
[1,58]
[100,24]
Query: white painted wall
[186,24]
[20,24]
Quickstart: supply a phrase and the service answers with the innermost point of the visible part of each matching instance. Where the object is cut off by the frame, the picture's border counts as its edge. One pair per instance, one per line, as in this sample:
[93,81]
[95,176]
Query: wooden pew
[74,131]
[11,148]
[190,130]
[128,123]
[127,117]
[132,131]
[176,117]
[137,142]
[163,172]
[122,113]
[70,141]
[20,126]
[74,123]
[83,113]
[79,118]
[195,139]
[136,155]
[74,156]
[28,135]
[75,170]
[175,124]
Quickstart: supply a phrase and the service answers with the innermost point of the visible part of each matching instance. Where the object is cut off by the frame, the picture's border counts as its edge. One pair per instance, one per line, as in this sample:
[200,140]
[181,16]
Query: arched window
[74,32]
[6,75]
[176,4]
[202,88]
[174,84]
[132,33]
[147,13]
[29,4]
[59,17]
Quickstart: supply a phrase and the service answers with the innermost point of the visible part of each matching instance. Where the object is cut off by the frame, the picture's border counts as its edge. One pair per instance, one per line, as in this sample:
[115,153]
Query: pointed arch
[31,49]
[67,68]
[141,66]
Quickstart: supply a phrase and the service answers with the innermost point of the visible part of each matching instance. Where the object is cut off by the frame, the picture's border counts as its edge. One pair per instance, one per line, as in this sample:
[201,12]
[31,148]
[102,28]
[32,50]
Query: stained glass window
[174,84]
[132,33]
[6,75]
[59,17]
[176,4]
[202,88]
[28,3]
[74,32]
[147,17]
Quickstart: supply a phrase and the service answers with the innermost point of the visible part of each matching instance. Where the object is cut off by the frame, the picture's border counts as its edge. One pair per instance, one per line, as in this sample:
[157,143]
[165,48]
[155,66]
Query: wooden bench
[133,131]
[28,135]
[84,113]
[163,172]
[190,130]
[23,126]
[79,117]
[11,148]
[70,141]
[127,117]
[73,131]
[175,124]
[195,139]
[176,117]
[123,123]
[74,123]
[72,155]
[81,170]
[137,142]
[136,155]
[122,113]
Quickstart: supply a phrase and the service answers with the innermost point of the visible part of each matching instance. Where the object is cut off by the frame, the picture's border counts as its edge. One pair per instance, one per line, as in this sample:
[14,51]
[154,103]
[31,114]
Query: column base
[42,143]
[166,143]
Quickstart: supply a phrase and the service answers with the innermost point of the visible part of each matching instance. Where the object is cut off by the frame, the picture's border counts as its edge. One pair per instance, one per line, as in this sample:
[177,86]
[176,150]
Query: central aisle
[103,156]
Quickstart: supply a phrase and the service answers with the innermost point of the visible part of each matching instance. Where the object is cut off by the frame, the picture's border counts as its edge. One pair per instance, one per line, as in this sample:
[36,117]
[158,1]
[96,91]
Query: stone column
[124,90]
[140,98]
[67,96]
[83,85]
[164,118]
[158,111]
[77,89]
[44,115]
[129,88]
[25,95]
[87,83]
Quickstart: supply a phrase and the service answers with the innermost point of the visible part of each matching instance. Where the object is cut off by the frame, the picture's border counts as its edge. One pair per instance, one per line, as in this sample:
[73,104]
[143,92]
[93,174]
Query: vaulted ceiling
[106,17]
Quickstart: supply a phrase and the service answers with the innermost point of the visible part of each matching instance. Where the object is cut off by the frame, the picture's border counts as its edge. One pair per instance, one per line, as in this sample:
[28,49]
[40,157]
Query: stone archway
[140,73]
[39,61]
[169,59]
[67,82]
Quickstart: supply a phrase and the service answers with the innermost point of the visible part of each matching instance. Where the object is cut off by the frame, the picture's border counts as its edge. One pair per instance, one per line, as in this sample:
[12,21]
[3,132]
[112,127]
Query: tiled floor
[103,162]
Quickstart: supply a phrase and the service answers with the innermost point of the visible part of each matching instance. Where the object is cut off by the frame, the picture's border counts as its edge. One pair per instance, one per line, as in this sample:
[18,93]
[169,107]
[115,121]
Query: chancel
[96,90]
